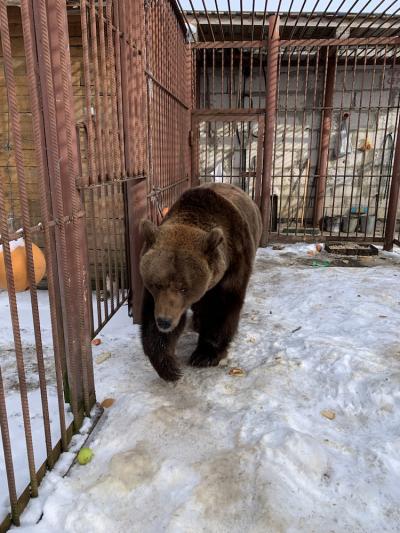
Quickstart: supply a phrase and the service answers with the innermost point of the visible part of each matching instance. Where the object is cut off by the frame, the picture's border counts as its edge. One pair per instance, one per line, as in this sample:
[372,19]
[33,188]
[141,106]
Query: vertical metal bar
[99,116]
[13,110]
[113,90]
[274,226]
[357,135]
[293,149]
[393,196]
[303,128]
[78,237]
[23,197]
[340,118]
[8,459]
[88,96]
[314,106]
[325,137]
[378,113]
[17,336]
[270,122]
[385,132]
[58,340]
[285,121]
[260,144]
[118,64]
[362,177]
[348,137]
[109,148]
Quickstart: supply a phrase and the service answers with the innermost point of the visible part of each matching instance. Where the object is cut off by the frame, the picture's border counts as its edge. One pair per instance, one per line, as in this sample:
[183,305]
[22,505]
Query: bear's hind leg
[218,316]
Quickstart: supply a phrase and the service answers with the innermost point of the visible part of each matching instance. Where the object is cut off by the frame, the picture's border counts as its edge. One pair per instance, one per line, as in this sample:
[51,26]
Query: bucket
[349,224]
[368,224]
[332,224]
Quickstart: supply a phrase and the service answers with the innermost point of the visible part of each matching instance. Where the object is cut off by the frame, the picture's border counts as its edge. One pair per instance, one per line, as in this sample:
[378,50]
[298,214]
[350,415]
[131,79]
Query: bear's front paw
[204,356]
[167,368]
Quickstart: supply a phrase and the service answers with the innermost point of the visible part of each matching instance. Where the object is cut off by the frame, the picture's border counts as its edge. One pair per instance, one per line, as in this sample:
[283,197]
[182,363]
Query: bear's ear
[149,231]
[213,239]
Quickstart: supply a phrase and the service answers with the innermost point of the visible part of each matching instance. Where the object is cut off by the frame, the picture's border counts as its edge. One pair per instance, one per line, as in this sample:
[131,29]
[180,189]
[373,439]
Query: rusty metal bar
[8,458]
[118,65]
[58,339]
[227,113]
[113,90]
[23,196]
[290,43]
[14,115]
[270,122]
[109,148]
[393,195]
[99,116]
[78,237]
[325,137]
[88,99]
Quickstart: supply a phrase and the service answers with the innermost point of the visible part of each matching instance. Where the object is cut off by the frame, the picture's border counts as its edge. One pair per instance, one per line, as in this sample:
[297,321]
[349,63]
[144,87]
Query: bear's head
[179,264]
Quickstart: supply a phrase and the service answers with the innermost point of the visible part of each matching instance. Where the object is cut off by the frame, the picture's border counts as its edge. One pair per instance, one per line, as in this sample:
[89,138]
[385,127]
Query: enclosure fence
[110,109]
[96,99]
[307,126]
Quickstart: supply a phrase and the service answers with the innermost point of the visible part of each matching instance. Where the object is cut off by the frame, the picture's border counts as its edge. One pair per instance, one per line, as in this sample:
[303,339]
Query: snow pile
[220,453]
[14,244]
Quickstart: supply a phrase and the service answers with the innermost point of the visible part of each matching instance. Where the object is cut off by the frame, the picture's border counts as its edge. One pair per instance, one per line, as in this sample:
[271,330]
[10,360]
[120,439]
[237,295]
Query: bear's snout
[164,324]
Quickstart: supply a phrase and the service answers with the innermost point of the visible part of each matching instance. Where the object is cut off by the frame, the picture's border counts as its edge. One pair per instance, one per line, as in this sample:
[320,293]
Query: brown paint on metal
[393,196]
[270,122]
[289,43]
[260,151]
[325,138]
[137,200]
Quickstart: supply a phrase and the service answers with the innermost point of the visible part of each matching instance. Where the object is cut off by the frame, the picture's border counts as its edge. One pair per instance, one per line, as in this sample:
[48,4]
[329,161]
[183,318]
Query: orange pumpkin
[20,266]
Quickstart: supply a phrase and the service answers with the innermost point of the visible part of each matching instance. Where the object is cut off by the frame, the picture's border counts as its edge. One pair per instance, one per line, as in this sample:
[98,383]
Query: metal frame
[216,49]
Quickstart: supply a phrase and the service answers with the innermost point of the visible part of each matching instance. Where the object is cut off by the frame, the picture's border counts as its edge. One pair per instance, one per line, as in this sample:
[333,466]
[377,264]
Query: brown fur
[200,257]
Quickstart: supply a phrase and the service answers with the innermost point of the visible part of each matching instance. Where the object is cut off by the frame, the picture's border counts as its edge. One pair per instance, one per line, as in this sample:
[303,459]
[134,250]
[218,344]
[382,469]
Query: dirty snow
[219,453]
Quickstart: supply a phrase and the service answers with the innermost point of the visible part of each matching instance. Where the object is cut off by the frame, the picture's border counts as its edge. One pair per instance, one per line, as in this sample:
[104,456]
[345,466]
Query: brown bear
[200,257]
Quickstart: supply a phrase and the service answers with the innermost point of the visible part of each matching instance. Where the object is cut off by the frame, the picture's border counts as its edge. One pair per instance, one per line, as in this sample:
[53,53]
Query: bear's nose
[164,323]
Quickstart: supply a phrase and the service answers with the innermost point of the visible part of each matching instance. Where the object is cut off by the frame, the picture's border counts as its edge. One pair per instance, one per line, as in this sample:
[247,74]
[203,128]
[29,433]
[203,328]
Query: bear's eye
[183,289]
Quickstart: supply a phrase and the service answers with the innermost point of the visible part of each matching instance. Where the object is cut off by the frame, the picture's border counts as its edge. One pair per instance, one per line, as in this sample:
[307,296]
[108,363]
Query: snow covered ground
[11,385]
[222,453]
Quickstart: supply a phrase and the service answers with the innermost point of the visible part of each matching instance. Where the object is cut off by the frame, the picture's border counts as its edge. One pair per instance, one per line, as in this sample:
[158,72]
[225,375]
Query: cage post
[270,122]
[137,210]
[136,188]
[393,196]
[325,138]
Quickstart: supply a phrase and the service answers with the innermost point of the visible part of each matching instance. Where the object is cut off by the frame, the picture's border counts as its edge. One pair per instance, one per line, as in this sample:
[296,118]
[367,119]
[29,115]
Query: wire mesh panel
[168,74]
[231,152]
[337,118]
[111,105]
